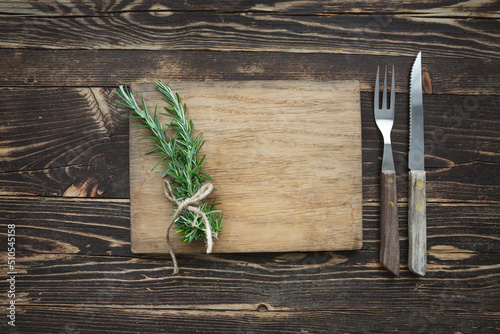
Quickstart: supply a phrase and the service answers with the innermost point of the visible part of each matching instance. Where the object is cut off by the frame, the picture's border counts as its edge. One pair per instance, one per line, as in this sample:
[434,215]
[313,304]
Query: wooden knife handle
[389,226]
[417,234]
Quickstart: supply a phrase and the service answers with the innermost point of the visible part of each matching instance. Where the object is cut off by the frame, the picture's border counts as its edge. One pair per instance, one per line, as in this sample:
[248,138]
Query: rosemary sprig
[180,158]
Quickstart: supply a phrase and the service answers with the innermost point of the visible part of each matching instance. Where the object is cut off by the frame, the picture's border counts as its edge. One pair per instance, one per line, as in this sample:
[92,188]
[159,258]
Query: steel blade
[416,153]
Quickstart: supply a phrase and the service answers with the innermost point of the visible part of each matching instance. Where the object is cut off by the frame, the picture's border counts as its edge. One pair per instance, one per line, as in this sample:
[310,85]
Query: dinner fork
[389,229]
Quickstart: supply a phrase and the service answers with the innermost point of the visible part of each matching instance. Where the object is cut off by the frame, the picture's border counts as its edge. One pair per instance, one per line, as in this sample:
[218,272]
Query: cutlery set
[389,229]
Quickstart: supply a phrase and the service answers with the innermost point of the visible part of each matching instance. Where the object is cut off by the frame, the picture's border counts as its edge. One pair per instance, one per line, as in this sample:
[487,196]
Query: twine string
[190,204]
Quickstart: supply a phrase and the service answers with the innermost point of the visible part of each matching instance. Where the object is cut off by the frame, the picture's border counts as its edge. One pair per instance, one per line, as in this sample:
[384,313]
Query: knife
[417,236]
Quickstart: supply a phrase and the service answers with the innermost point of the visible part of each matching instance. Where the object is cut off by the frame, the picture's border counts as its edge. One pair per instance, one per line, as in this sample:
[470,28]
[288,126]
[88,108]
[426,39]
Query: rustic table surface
[64,179]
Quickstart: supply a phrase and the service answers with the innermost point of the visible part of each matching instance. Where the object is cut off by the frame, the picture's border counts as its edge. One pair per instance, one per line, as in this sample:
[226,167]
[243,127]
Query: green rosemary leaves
[179,157]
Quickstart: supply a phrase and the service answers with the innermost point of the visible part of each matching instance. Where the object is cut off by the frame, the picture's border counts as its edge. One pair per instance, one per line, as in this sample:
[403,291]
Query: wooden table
[64,179]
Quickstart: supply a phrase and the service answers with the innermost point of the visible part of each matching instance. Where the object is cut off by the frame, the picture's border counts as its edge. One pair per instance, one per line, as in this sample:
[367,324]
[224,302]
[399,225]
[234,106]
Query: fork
[389,229]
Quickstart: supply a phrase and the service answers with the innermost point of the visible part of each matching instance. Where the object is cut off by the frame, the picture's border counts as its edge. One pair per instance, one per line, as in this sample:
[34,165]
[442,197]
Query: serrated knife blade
[416,154]
[417,226]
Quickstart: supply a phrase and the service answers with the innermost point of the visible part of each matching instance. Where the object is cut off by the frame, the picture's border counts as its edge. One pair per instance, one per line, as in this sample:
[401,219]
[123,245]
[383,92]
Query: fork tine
[377,92]
[393,91]
[384,97]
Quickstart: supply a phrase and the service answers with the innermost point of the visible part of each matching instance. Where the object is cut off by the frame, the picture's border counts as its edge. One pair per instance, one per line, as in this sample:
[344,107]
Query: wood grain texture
[228,319]
[77,273]
[179,30]
[285,157]
[456,127]
[100,227]
[428,8]
[451,125]
[113,67]
[69,142]
[417,226]
[389,222]
[290,298]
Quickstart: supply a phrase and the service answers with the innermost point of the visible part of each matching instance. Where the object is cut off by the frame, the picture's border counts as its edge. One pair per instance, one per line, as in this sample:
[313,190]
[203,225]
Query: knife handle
[389,226]
[417,235]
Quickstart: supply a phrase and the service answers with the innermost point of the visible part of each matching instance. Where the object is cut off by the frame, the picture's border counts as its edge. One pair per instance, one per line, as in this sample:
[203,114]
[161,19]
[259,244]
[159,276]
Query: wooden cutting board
[285,157]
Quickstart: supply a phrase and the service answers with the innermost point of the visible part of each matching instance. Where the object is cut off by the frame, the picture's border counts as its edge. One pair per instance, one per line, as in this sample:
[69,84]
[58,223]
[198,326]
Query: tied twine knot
[190,204]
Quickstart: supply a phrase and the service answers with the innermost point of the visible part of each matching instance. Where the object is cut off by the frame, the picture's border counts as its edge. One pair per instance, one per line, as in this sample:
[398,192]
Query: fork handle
[389,226]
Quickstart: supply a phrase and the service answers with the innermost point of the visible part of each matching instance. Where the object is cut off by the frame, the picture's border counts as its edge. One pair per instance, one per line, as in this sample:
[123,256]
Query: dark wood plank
[63,142]
[393,35]
[47,156]
[428,8]
[455,309]
[475,182]
[68,226]
[76,272]
[462,148]
[100,227]
[146,319]
[458,130]
[21,67]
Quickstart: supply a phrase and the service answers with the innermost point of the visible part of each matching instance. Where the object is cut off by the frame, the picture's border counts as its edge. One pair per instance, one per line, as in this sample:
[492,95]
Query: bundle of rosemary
[185,184]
